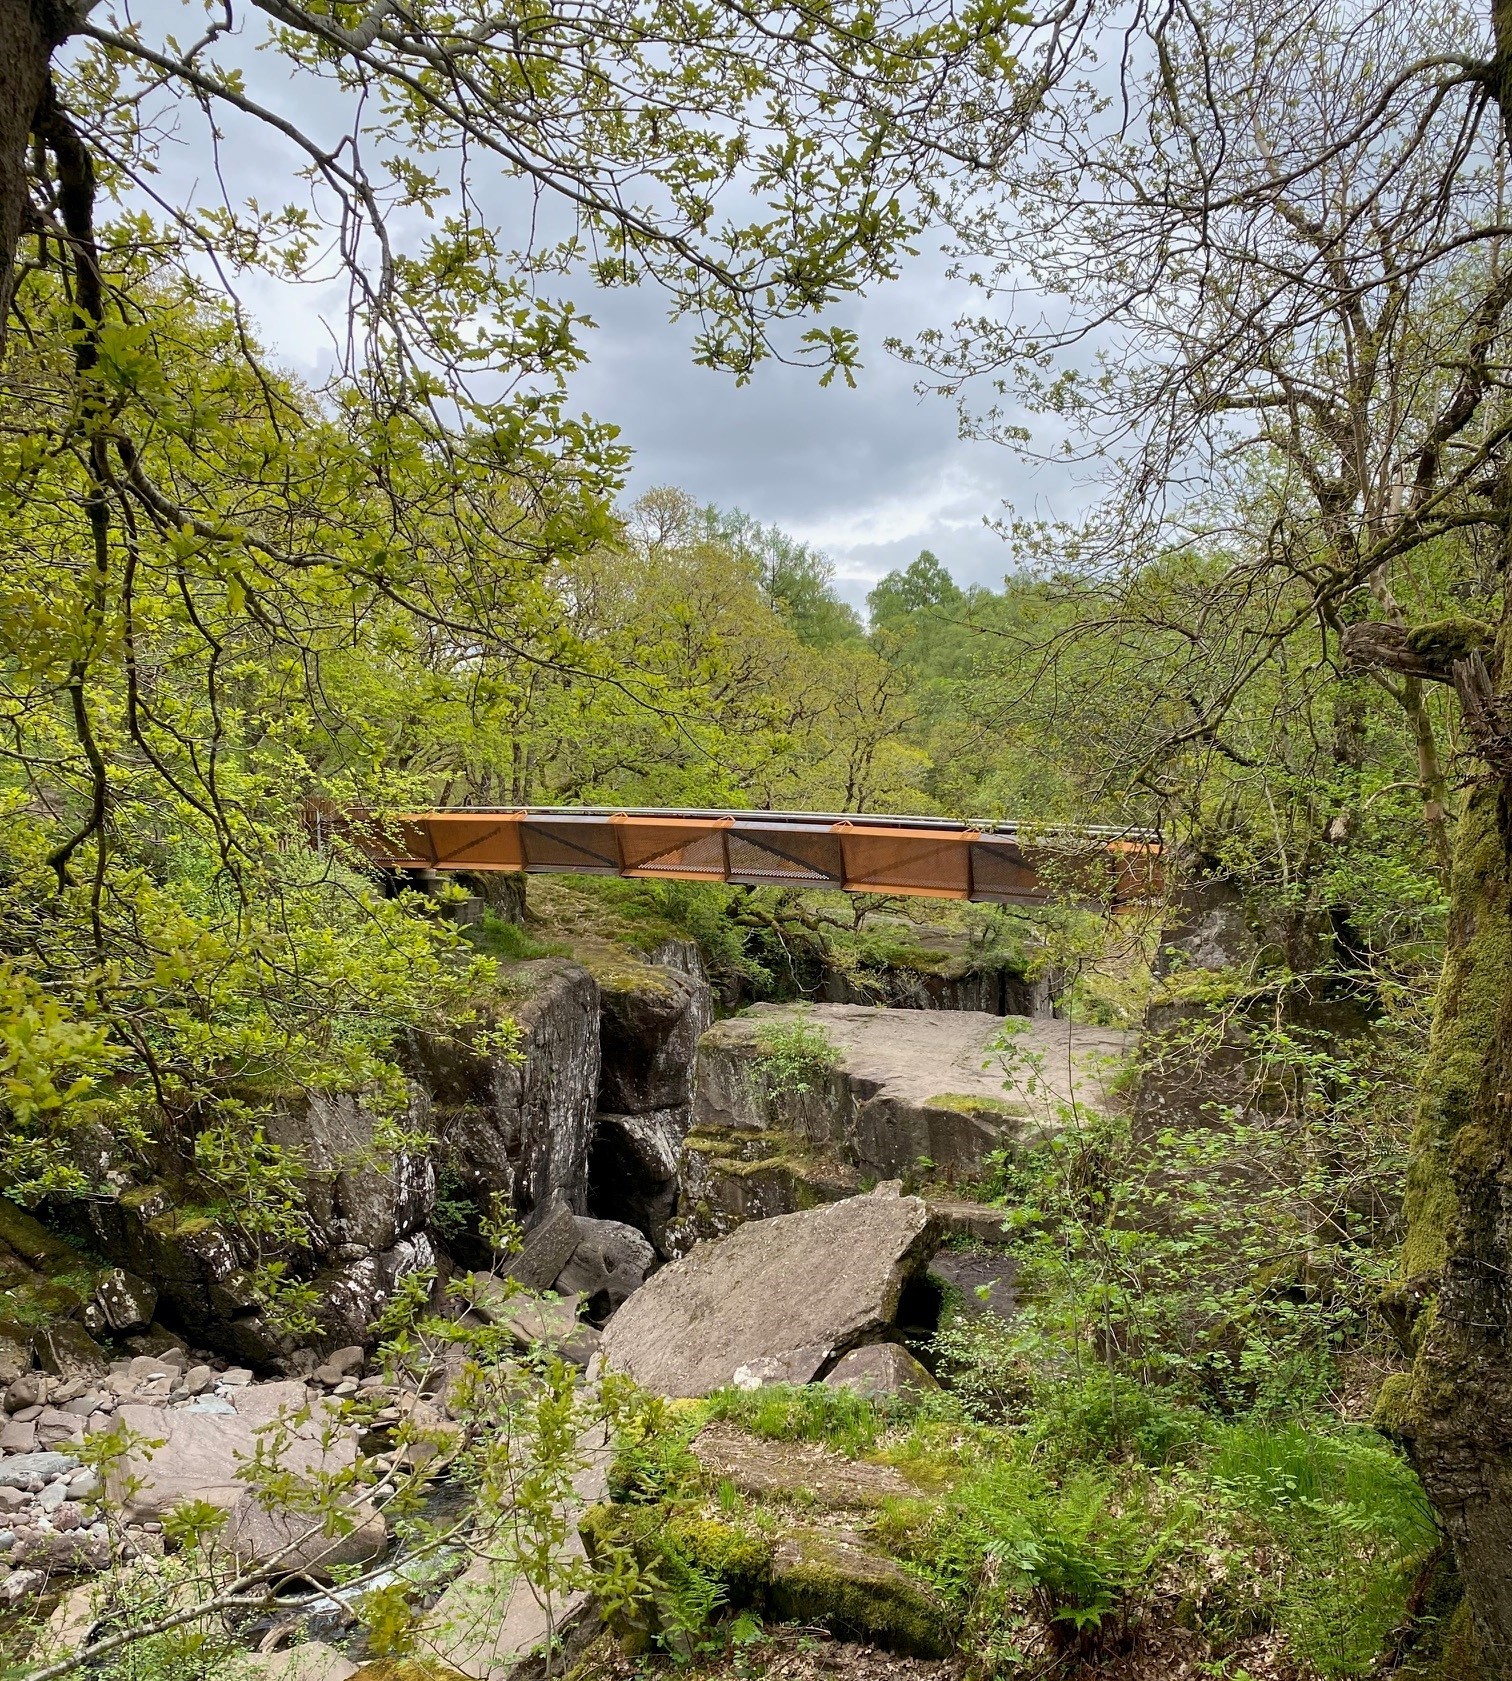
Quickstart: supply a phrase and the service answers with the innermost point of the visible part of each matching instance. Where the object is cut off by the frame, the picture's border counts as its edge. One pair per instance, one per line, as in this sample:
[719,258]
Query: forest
[386,1254]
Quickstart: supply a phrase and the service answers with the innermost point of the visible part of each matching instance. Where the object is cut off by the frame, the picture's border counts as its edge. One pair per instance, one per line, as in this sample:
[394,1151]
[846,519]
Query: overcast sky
[870,475]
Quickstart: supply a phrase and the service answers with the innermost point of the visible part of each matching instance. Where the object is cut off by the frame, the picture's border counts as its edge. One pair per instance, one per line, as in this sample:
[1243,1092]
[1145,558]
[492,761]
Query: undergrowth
[1160,1437]
[508,941]
[1062,1536]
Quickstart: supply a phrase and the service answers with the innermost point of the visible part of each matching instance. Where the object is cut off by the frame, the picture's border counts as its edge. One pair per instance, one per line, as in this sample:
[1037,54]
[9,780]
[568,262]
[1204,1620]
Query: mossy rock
[964,1103]
[836,1581]
[738,1557]
[622,974]
[181,1226]
[855,1591]
[41,1302]
[679,1550]
[32,1241]
[407,1669]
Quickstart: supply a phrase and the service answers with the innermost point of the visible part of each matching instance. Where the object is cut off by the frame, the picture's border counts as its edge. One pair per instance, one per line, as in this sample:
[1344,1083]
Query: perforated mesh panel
[785,853]
[703,856]
[676,848]
[1000,873]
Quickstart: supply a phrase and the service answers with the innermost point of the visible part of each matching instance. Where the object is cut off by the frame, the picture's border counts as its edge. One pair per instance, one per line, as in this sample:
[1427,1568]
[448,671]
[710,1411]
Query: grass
[508,942]
[835,1418]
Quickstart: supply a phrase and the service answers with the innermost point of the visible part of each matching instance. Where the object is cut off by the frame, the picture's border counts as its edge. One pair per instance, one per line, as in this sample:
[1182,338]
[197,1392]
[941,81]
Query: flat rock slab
[803,1469]
[547,1247]
[946,1086]
[919,1055]
[199,1455]
[981,1222]
[530,1319]
[775,1301]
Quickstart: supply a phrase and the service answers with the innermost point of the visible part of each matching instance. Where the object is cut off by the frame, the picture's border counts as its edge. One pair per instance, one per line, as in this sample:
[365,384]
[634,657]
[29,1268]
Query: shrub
[1009,1541]
[793,1057]
[1101,1414]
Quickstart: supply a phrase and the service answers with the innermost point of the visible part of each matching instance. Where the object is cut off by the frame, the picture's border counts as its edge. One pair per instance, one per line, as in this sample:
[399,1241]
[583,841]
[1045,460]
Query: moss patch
[610,911]
[32,1241]
[674,1543]
[853,1590]
[407,1669]
[1476,982]
[770,1167]
[970,1104]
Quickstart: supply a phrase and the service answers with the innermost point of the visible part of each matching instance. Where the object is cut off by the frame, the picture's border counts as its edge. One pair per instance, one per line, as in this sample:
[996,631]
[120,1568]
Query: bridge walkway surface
[928,857]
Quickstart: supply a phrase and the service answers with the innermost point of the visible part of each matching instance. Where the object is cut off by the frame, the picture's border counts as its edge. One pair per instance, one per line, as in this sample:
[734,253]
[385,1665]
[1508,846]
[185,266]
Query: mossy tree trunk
[1459,1246]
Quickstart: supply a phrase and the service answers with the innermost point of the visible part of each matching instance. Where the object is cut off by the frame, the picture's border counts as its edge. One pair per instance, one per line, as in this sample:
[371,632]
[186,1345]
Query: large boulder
[185,1453]
[126,1302]
[550,1239]
[311,1661]
[192,1260]
[489,1619]
[608,1265]
[650,1021]
[68,1351]
[775,1301]
[880,1371]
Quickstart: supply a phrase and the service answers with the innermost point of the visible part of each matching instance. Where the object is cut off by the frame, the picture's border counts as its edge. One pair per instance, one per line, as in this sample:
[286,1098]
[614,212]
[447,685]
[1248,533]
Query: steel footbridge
[925,857]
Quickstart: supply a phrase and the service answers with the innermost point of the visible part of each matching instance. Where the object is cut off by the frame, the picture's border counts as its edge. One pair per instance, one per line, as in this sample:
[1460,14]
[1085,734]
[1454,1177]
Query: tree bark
[1455,1409]
[30,32]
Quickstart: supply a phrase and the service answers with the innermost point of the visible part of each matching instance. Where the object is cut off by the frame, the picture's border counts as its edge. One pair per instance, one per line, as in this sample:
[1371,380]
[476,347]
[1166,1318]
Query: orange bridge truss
[926,857]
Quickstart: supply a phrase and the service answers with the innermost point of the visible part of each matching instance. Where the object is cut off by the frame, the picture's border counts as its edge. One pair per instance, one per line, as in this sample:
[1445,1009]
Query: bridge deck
[922,856]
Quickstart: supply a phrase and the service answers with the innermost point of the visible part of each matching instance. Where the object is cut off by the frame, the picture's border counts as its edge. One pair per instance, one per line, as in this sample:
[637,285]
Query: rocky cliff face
[911,1093]
[517,1122]
[597,1092]
[998,991]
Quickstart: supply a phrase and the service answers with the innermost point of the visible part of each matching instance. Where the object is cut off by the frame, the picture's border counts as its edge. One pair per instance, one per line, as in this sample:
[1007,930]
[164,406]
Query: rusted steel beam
[923,856]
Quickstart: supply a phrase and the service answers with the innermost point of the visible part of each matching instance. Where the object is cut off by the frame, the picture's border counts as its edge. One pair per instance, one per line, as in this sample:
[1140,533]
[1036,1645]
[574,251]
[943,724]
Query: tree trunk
[30,32]
[1456,1408]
